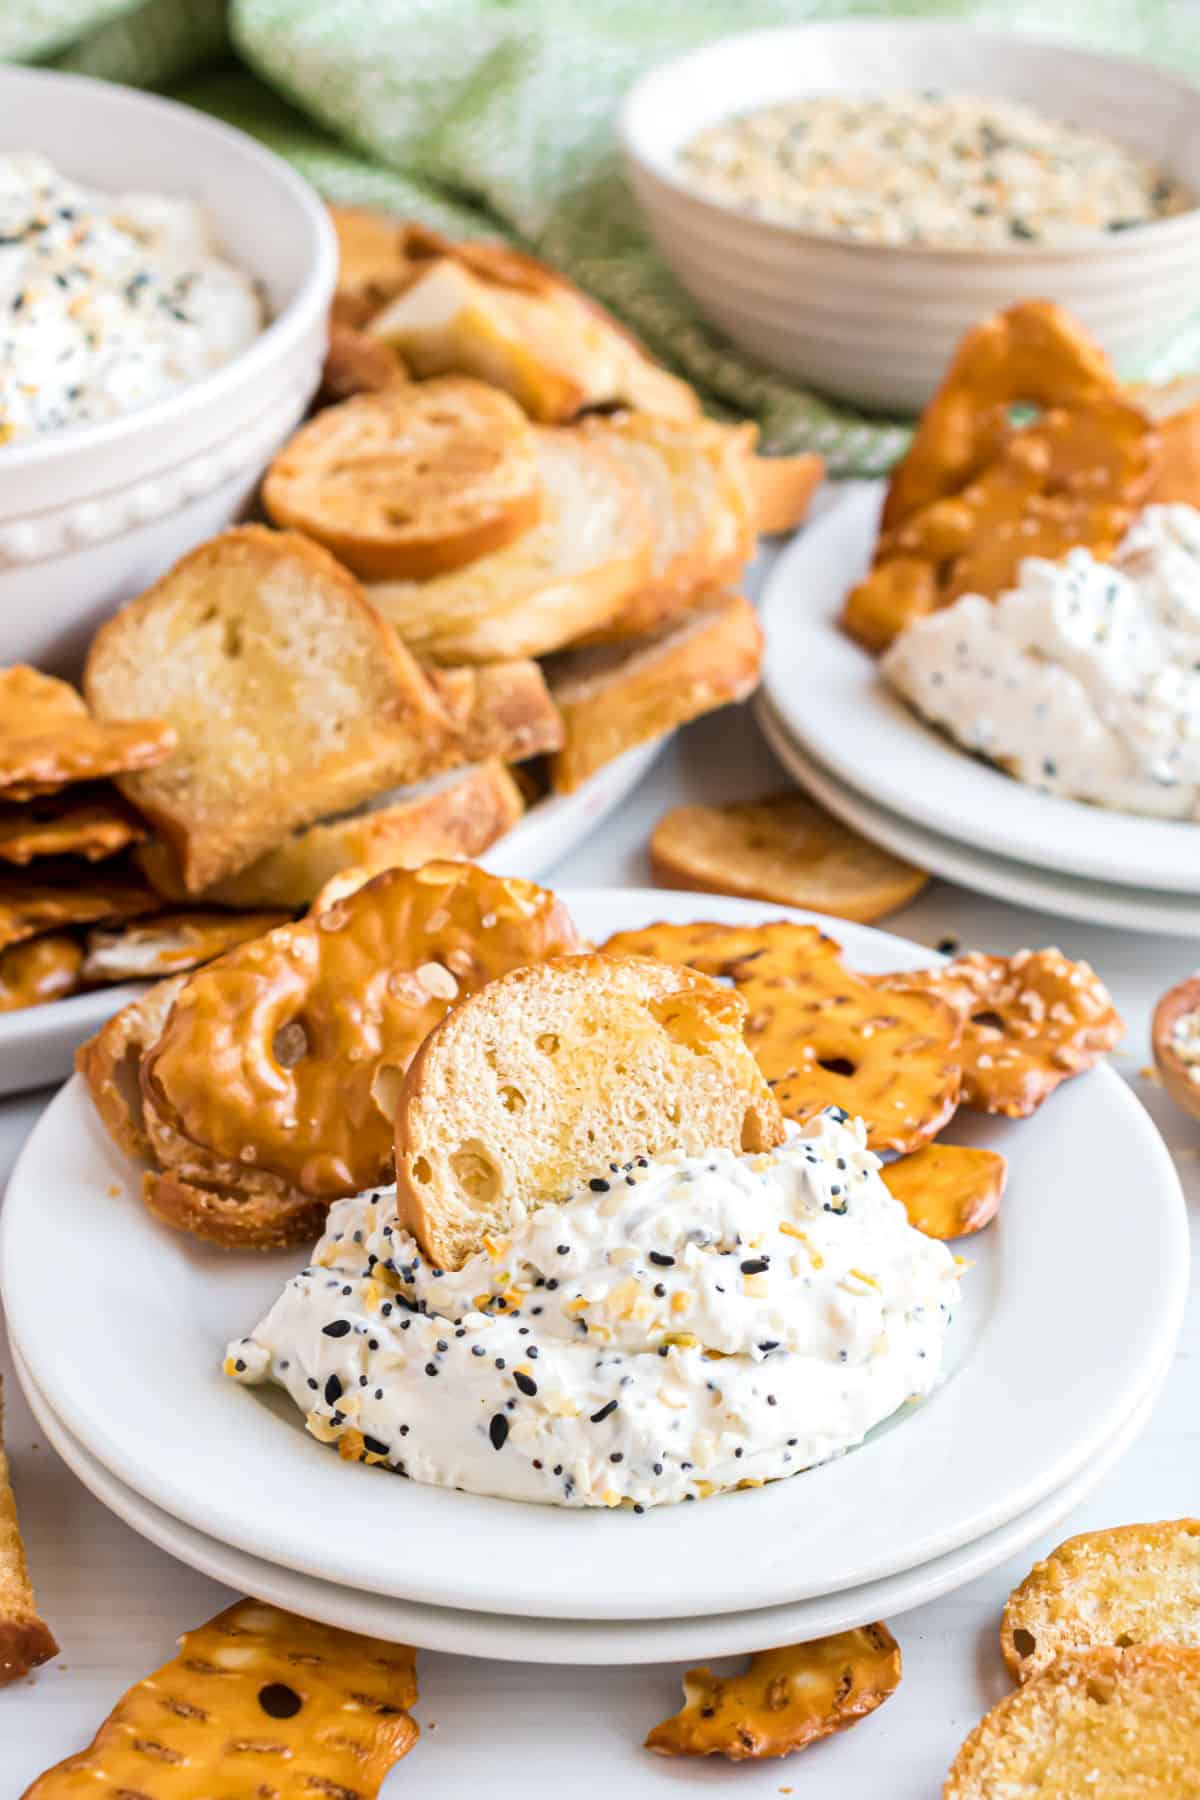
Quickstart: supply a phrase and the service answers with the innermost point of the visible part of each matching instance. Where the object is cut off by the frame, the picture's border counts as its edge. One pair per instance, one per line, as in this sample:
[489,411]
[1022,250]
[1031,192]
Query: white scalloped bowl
[90,516]
[874,323]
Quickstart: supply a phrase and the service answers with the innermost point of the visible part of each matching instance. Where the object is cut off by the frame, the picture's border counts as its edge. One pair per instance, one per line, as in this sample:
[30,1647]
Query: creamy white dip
[1084,680]
[674,1329]
[107,301]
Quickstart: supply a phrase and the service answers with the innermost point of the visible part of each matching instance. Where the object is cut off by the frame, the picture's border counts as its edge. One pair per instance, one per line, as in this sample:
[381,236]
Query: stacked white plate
[119,1327]
[874,763]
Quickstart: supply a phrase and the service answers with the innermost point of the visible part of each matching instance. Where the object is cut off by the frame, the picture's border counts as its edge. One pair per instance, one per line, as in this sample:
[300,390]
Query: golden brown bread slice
[571,573]
[484,310]
[289,696]
[615,696]
[541,1079]
[501,709]
[373,264]
[258,1705]
[781,490]
[692,476]
[25,1641]
[1134,1584]
[459,814]
[1107,1724]
[412,481]
[785,848]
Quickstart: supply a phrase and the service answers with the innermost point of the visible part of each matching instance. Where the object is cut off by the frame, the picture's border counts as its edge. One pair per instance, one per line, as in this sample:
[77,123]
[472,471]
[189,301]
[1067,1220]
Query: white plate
[508,1639]
[125,1323]
[828,693]
[1129,909]
[38,1043]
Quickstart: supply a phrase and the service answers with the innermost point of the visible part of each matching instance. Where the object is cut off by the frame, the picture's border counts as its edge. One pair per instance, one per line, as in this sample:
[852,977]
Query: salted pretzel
[947,1190]
[1031,1021]
[58,894]
[976,492]
[170,942]
[37,970]
[48,738]
[257,1702]
[272,1058]
[786,1699]
[88,822]
[818,1030]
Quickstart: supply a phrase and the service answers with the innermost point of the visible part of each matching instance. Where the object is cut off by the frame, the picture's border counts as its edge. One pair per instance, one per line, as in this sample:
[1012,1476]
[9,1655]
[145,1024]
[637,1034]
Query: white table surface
[512,1731]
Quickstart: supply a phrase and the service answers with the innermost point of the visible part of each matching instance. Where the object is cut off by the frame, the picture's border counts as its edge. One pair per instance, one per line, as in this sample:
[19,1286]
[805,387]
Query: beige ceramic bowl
[90,516]
[872,324]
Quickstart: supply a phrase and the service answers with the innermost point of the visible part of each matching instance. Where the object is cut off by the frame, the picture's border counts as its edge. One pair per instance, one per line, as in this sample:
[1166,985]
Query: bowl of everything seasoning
[164,290]
[845,200]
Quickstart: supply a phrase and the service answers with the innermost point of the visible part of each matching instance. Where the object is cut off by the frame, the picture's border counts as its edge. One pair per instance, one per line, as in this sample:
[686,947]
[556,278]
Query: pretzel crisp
[786,1699]
[256,1703]
[170,943]
[976,493]
[37,970]
[111,1062]
[946,1190]
[68,894]
[91,823]
[1031,1021]
[49,739]
[818,1030]
[271,1056]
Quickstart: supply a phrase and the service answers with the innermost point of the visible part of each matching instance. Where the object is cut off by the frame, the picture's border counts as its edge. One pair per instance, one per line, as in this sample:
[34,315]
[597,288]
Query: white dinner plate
[829,695]
[511,1639]
[125,1323]
[38,1043]
[1068,897]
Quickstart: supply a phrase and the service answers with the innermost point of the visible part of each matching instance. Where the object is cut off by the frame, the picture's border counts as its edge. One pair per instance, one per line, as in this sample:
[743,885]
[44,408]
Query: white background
[508,1730]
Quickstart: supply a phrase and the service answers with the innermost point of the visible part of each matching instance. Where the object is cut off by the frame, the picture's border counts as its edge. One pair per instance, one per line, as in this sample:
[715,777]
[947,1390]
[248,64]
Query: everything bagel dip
[107,301]
[1084,680]
[675,1328]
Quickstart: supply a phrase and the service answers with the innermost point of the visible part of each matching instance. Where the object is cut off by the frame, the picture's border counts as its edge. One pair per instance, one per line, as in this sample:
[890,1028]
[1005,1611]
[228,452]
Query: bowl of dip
[164,289]
[845,200]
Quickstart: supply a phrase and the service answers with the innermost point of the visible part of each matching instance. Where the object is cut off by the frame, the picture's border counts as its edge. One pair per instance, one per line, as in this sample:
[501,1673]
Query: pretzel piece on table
[257,1702]
[786,1699]
[947,1190]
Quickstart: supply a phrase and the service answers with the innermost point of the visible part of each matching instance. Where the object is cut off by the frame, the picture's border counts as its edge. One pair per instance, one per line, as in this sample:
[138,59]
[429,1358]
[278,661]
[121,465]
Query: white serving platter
[506,1638]
[830,698]
[1066,896]
[38,1043]
[124,1324]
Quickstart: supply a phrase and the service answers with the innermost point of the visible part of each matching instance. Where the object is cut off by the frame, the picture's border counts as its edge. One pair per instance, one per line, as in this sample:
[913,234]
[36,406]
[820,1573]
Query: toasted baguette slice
[781,490]
[289,696]
[539,1080]
[111,1065]
[499,709]
[1175,409]
[615,696]
[373,264]
[483,310]
[24,1641]
[569,574]
[786,849]
[412,481]
[692,475]
[460,814]
[1133,1584]
[1106,1724]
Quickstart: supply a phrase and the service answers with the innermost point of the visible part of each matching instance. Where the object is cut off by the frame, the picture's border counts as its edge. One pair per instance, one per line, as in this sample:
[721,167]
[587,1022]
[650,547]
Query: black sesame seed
[374,1445]
[757,1265]
[662,1259]
[616,1456]
[442,1345]
[478,1350]
[598,1184]
[526,1383]
[500,1363]
[311,1382]
[333,1391]
[240,1366]
[605,1412]
[659,1290]
[563,1249]
[498,1431]
[431,1368]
